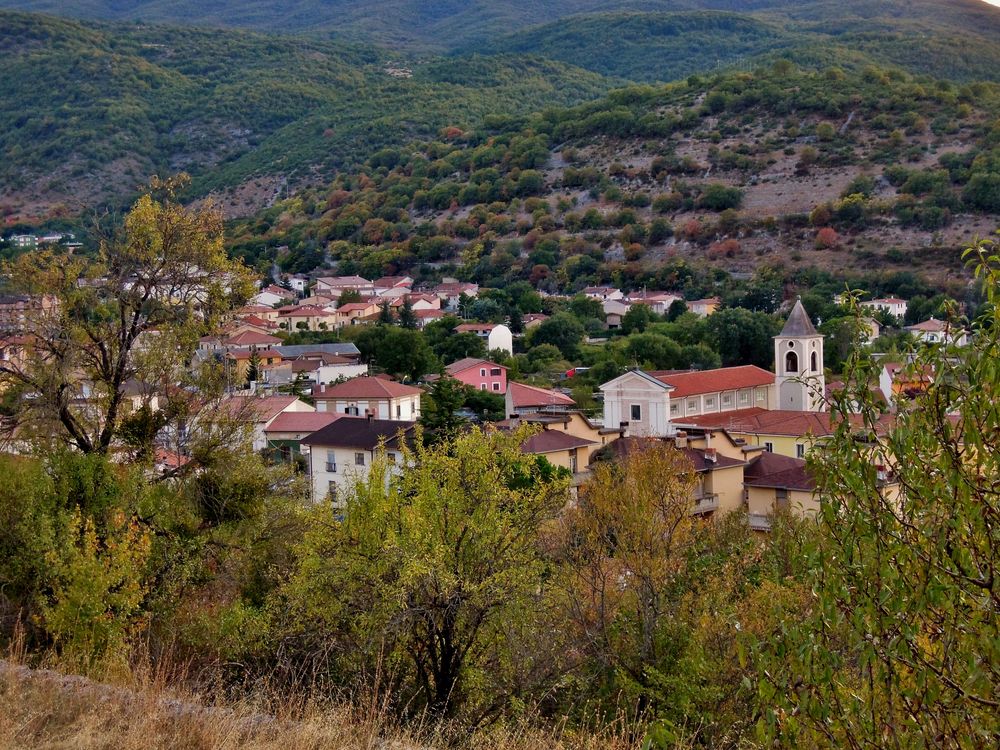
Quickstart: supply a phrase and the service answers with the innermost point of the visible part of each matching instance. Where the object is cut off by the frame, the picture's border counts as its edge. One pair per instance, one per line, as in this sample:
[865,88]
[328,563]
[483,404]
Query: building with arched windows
[798,364]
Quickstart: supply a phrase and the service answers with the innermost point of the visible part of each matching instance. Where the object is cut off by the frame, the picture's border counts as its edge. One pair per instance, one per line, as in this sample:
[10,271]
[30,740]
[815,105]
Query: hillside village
[584,375]
[330,411]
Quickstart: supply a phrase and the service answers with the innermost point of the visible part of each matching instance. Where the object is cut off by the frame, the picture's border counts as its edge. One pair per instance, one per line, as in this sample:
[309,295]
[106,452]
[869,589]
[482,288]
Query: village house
[497,336]
[614,311]
[603,293]
[361,396]
[704,307]
[936,331]
[892,305]
[307,318]
[264,312]
[773,483]
[480,374]
[451,292]
[421,301]
[263,410]
[17,311]
[343,452]
[314,368]
[522,399]
[334,286]
[285,433]
[427,316]
[238,362]
[533,319]
[659,302]
[273,295]
[354,313]
[390,287]
[901,382]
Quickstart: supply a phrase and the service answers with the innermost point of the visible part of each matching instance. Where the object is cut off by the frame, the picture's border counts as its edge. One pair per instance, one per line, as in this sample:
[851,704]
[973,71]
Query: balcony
[705,503]
[331,468]
[759,522]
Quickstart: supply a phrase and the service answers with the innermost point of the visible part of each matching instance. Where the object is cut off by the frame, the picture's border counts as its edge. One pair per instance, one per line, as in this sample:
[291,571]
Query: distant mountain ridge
[88,111]
[449,24]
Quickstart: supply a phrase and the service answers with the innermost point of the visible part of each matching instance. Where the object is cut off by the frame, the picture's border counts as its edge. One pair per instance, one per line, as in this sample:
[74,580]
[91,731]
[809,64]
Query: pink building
[480,374]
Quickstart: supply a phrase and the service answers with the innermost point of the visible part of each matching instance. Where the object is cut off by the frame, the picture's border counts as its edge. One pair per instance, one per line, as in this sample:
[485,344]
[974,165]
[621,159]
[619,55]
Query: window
[727,399]
[692,405]
[495,372]
[482,372]
[710,402]
[800,450]
[791,362]
[359,459]
[390,457]
[399,411]
[331,490]
[814,361]
[769,447]
[744,398]
[674,409]
[496,386]
[636,413]
[761,395]
[352,410]
[331,462]
[482,386]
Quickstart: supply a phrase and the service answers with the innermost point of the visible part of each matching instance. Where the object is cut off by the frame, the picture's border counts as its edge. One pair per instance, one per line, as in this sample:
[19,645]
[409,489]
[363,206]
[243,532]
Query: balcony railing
[332,468]
[759,522]
[706,503]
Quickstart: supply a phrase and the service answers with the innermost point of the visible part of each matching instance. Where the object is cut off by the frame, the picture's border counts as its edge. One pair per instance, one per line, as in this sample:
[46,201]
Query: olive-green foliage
[434,574]
[899,647]
[231,105]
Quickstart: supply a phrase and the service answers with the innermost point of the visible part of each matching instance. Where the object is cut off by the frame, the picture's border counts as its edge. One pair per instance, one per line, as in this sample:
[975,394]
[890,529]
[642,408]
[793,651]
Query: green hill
[662,186]
[448,24]
[668,46]
[89,111]
[650,46]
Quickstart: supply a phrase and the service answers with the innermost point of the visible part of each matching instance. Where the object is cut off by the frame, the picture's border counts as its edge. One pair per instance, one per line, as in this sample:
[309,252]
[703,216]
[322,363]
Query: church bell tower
[798,364]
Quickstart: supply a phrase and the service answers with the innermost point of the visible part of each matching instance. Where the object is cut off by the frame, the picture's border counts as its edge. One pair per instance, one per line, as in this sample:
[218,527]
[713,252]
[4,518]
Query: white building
[798,363]
[646,403]
[892,305]
[495,335]
[936,331]
[380,398]
[343,452]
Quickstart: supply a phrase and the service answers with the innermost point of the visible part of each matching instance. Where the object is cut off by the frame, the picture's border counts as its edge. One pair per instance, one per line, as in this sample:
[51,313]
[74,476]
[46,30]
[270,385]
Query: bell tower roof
[798,323]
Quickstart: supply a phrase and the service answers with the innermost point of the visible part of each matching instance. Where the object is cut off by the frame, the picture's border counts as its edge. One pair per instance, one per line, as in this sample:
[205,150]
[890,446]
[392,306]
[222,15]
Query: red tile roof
[714,381]
[301,421]
[252,338]
[776,422]
[525,396]
[551,441]
[468,363]
[365,387]
[475,327]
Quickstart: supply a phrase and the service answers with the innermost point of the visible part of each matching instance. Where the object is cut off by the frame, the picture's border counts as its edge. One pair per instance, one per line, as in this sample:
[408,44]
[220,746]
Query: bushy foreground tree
[900,644]
[135,312]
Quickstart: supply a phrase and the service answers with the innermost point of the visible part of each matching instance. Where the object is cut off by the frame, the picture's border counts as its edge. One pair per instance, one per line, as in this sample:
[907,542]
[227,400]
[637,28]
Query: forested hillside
[658,186]
[89,111]
[448,24]
[667,46]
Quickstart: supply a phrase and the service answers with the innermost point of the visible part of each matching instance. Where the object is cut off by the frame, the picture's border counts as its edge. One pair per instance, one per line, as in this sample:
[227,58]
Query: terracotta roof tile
[365,387]
[714,381]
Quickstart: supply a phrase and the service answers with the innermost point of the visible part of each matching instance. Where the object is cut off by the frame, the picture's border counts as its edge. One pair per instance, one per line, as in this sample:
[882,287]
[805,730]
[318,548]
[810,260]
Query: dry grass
[51,710]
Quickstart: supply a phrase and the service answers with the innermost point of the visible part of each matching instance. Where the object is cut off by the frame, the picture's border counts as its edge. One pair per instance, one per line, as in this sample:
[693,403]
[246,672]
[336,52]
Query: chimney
[681,439]
[710,455]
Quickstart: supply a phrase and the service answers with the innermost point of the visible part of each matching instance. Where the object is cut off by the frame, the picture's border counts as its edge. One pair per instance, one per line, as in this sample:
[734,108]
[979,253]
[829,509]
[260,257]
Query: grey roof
[798,323]
[344,350]
[361,432]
